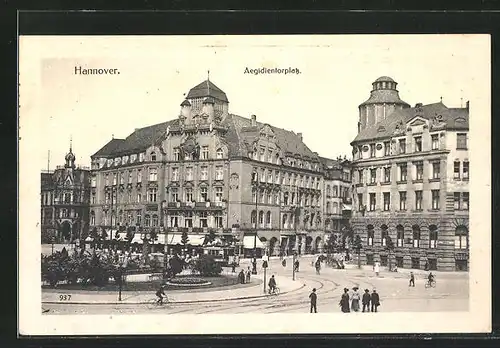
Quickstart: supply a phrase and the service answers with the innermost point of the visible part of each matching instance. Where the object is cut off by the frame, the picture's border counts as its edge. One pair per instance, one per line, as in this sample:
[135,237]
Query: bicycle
[274,291]
[155,302]
[430,284]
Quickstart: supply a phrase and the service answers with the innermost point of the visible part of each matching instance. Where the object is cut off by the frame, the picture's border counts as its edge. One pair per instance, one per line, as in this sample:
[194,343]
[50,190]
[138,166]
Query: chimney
[467,105]
[254,120]
[300,136]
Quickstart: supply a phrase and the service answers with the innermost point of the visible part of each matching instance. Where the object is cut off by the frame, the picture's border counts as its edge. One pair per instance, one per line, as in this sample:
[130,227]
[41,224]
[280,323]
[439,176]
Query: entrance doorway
[461,265]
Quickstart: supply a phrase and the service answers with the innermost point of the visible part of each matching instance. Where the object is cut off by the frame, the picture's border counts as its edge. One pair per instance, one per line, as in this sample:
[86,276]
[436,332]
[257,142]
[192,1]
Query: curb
[177,302]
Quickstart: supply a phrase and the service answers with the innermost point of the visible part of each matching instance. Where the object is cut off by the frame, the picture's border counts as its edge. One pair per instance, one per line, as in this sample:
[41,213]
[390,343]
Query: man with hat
[375,300]
[313,298]
[366,300]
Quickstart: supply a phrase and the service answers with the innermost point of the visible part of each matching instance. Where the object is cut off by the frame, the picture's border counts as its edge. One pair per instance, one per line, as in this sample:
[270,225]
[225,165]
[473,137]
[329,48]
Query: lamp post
[255,178]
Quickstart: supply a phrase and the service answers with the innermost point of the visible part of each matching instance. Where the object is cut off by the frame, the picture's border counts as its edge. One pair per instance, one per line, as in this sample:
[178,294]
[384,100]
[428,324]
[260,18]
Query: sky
[155,72]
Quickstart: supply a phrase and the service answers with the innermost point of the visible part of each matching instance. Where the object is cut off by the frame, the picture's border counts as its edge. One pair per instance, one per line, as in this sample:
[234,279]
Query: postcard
[254,184]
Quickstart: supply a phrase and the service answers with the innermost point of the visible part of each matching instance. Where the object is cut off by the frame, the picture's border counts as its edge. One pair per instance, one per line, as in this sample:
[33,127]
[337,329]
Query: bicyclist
[159,293]
[430,278]
[272,284]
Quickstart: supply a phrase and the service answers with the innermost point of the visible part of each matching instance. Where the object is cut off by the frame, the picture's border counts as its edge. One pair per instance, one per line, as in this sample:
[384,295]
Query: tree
[184,238]
[390,248]
[358,245]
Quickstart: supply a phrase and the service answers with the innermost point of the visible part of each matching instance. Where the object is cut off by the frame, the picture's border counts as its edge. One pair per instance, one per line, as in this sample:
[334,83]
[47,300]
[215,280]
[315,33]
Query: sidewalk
[141,297]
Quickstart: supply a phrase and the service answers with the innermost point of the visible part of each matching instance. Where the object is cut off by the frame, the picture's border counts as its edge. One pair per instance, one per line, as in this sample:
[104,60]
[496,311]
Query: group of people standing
[244,277]
[351,301]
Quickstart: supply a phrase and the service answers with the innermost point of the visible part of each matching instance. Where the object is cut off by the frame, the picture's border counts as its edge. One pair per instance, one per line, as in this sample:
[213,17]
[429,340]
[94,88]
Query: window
[92,218]
[253,218]
[130,218]
[402,146]
[278,198]
[262,196]
[153,156]
[373,202]
[188,219]
[153,174]
[203,194]
[218,221]
[418,200]
[436,170]
[285,198]
[360,201]
[435,141]
[204,173]
[465,200]
[403,172]
[418,144]
[204,152]
[387,148]
[373,175]
[456,170]
[218,194]
[433,236]
[155,220]
[370,235]
[461,233]
[139,197]
[400,235]
[219,154]
[174,221]
[465,171]
[203,219]
[189,194]
[138,217]
[269,156]
[114,178]
[189,174]
[416,236]
[175,174]
[254,195]
[262,175]
[269,197]
[262,155]
[435,199]
[152,194]
[387,201]
[107,179]
[268,219]
[177,156]
[93,182]
[175,194]
[276,177]
[139,175]
[107,198]
[147,220]
[456,200]
[328,208]
[419,168]
[372,150]
[261,218]
[461,141]
[93,198]
[360,176]
[369,259]
[384,235]
[335,191]
[270,176]
[387,174]
[130,177]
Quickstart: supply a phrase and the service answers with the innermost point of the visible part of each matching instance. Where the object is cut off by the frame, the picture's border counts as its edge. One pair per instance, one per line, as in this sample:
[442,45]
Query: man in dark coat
[366,300]
[313,298]
[241,277]
[375,300]
[344,301]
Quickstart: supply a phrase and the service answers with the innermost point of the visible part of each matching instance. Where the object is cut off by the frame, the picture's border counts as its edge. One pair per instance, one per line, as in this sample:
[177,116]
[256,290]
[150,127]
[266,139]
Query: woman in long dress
[344,301]
[355,299]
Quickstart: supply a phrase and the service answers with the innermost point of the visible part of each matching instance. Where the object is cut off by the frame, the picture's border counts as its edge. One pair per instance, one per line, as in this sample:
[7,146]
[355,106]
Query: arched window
[147,220]
[285,221]
[155,220]
[328,208]
[400,231]
[253,218]
[335,208]
[416,236]
[328,191]
[433,236]
[268,219]
[153,156]
[461,234]
[370,234]
[261,218]
[335,191]
[384,234]
[219,154]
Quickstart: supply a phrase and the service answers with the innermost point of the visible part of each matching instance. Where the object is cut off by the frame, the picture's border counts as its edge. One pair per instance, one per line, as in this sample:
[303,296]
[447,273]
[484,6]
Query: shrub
[207,266]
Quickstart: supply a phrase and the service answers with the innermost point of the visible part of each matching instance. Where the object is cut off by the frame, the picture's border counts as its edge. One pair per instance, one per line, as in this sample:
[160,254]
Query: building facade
[210,170]
[65,199]
[411,182]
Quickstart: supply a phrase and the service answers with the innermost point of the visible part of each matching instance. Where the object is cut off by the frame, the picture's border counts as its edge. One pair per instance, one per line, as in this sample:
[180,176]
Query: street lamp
[255,178]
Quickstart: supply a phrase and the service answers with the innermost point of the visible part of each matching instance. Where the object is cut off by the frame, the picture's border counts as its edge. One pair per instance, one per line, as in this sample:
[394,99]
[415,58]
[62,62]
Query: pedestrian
[318,266]
[375,300]
[248,275]
[376,268]
[241,276]
[296,265]
[366,300]
[344,301]
[233,267]
[355,299]
[313,298]
[412,280]
[283,263]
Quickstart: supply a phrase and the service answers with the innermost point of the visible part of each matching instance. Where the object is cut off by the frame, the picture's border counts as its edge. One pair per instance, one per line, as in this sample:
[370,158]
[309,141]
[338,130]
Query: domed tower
[384,100]
[70,157]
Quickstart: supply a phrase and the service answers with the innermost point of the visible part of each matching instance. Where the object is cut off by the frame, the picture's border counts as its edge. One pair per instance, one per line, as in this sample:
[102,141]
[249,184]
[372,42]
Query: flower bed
[186,281]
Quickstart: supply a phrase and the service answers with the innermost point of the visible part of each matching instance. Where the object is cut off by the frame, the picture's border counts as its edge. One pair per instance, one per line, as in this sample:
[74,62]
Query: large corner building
[208,169]
[411,181]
